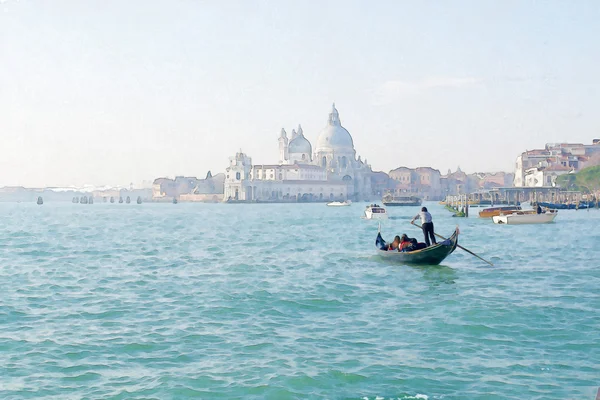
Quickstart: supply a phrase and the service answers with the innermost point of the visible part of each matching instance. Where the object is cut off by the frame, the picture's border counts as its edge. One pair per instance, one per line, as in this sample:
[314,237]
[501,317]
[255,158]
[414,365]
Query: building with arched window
[331,171]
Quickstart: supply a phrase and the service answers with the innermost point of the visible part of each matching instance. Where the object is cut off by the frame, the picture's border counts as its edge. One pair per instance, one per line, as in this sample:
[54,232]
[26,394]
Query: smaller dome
[299,145]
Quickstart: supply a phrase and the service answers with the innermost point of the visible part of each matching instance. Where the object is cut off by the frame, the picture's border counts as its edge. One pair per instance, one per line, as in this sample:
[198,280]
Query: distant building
[331,172]
[497,179]
[423,182]
[428,183]
[101,194]
[201,198]
[403,178]
[555,159]
[163,187]
[454,183]
[545,176]
[380,183]
[167,189]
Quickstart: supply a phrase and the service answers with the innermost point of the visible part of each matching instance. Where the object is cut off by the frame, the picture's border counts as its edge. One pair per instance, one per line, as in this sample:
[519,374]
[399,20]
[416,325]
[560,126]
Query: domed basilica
[331,172]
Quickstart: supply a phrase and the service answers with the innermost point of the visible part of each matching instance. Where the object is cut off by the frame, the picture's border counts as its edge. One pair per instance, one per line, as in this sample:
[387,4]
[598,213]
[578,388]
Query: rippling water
[114,301]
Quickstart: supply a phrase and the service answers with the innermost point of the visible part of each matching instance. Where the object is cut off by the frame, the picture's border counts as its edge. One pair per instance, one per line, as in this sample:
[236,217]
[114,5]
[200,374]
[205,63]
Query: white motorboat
[339,203]
[375,211]
[525,217]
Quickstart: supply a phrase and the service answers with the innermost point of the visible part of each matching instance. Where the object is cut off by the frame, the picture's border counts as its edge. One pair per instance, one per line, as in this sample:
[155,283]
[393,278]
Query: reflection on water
[437,273]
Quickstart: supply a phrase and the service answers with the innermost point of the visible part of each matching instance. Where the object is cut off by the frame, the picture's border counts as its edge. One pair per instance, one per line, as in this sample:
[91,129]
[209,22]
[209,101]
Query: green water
[162,301]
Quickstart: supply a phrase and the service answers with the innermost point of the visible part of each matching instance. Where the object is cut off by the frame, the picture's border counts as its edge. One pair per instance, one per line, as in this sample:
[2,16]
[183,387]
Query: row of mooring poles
[458,203]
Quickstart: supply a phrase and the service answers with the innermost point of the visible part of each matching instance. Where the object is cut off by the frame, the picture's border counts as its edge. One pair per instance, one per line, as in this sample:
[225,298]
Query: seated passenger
[395,244]
[419,246]
[405,243]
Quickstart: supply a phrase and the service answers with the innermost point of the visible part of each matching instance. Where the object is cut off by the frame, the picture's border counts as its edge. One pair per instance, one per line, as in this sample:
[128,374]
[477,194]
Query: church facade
[330,171]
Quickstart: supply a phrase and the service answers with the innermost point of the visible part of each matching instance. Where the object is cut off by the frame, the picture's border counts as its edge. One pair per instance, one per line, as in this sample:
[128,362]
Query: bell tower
[283,147]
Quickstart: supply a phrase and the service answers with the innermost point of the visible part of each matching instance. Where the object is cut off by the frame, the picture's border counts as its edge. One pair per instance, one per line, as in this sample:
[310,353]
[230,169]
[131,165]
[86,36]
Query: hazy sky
[112,92]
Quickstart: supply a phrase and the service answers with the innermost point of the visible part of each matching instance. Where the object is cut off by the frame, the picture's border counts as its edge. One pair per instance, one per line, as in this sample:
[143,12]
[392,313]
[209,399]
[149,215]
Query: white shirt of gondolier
[425,217]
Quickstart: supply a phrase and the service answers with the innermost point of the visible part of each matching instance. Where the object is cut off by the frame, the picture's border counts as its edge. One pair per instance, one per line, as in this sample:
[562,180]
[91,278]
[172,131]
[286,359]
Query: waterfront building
[428,183]
[454,183]
[403,178]
[545,176]
[380,184]
[423,182]
[459,182]
[496,179]
[557,159]
[163,187]
[331,172]
[190,187]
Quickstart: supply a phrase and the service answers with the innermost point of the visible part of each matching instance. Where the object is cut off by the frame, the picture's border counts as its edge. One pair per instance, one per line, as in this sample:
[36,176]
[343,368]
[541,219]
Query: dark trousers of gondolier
[428,232]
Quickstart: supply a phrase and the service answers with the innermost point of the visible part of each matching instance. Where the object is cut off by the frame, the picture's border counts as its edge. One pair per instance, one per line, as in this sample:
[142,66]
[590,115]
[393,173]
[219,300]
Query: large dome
[299,144]
[334,137]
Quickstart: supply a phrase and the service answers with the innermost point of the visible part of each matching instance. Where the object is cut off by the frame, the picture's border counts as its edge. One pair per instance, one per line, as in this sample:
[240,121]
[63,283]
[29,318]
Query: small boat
[75,200]
[120,200]
[494,211]
[375,211]
[394,201]
[525,217]
[91,200]
[112,199]
[128,200]
[40,201]
[582,205]
[174,200]
[139,200]
[432,255]
[339,203]
[558,206]
[84,200]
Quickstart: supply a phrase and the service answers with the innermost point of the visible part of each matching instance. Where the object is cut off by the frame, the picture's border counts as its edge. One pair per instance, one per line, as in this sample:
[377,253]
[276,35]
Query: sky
[116,92]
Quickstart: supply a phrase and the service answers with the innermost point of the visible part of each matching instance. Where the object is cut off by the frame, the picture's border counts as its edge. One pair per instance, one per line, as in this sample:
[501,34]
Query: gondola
[432,255]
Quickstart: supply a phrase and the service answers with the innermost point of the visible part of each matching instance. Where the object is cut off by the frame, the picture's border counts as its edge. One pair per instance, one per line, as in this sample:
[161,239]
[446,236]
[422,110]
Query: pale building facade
[497,179]
[164,189]
[544,176]
[428,184]
[403,177]
[236,175]
[201,198]
[561,156]
[423,182]
[330,172]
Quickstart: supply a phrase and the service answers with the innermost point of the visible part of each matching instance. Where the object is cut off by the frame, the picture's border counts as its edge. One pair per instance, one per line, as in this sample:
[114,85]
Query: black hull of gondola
[432,255]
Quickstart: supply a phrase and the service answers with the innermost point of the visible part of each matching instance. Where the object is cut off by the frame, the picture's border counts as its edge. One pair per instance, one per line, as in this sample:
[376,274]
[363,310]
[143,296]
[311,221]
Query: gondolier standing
[426,225]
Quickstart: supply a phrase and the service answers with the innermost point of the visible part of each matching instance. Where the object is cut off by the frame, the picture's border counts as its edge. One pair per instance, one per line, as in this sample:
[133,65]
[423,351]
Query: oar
[457,245]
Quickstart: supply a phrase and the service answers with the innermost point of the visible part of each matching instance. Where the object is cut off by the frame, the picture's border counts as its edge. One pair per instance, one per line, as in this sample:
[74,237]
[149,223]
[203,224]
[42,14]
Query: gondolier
[426,225]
